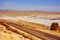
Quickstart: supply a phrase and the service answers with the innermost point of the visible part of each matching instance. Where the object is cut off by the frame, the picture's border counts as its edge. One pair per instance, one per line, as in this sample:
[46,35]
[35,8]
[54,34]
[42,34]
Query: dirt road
[39,34]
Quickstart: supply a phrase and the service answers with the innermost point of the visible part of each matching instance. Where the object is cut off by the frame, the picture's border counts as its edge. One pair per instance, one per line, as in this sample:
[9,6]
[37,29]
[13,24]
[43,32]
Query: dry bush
[54,26]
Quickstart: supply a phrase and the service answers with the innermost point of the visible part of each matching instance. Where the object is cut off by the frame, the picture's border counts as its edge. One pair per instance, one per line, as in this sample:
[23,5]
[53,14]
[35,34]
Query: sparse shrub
[54,26]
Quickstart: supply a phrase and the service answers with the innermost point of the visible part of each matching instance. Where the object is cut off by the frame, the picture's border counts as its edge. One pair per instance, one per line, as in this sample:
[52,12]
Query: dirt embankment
[11,33]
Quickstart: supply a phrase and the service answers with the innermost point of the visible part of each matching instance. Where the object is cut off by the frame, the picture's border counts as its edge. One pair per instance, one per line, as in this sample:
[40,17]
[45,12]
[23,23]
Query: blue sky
[30,5]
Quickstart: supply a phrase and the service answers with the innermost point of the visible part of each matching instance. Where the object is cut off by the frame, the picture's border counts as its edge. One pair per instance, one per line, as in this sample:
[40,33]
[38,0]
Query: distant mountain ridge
[32,14]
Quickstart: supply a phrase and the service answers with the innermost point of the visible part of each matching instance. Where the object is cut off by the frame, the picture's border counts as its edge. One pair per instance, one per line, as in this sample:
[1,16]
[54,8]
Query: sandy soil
[8,35]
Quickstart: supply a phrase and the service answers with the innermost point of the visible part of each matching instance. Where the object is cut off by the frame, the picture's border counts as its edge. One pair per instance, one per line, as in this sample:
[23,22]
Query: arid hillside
[33,14]
[22,13]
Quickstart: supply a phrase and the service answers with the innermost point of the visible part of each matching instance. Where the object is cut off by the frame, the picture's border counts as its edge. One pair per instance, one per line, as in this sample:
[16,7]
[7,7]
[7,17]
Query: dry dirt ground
[9,35]
[40,27]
